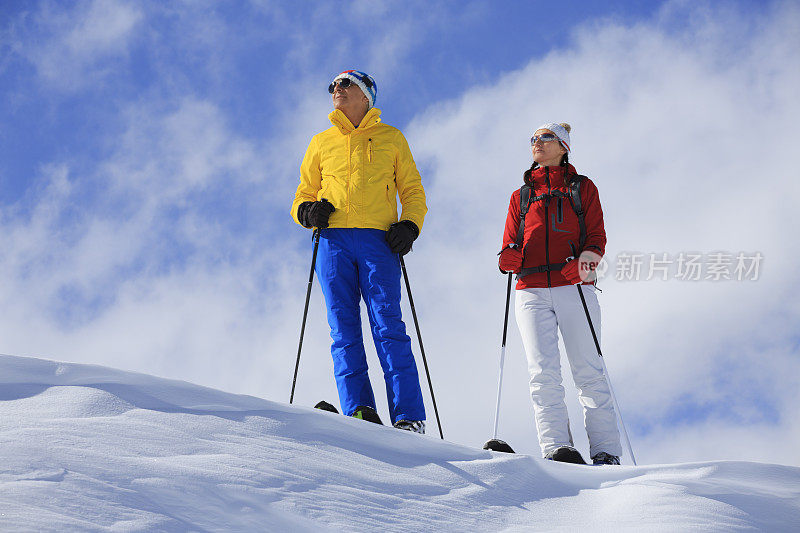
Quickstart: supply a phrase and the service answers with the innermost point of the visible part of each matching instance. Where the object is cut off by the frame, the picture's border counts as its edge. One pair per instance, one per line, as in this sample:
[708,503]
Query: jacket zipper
[369,150]
[349,177]
[546,225]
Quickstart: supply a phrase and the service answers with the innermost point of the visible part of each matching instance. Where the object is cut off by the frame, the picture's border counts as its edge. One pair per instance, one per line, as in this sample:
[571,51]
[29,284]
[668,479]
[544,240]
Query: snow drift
[91,448]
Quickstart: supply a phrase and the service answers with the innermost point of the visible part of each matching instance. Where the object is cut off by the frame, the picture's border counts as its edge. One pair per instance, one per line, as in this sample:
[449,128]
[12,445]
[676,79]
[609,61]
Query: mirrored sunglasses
[545,138]
[344,83]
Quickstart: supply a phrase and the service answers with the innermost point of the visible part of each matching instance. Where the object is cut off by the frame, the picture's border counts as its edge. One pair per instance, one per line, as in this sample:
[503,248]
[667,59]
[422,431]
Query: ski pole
[421,348]
[496,444]
[605,373]
[502,358]
[305,311]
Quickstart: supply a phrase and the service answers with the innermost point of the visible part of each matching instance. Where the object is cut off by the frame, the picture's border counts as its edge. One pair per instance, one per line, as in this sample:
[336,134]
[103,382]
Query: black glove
[311,214]
[401,235]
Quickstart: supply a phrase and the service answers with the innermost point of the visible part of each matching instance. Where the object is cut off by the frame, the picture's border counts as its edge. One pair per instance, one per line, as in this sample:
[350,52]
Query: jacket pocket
[378,160]
[391,195]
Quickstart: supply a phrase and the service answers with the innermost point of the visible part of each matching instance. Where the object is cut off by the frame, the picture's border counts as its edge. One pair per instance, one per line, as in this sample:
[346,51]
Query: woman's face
[547,154]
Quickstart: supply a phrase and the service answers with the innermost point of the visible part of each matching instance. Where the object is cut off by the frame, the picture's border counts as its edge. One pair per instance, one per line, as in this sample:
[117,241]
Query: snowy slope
[91,448]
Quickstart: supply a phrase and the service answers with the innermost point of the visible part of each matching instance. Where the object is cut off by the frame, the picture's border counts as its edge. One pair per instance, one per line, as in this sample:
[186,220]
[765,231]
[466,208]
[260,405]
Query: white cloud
[103,27]
[79,42]
[688,138]
[674,130]
[148,264]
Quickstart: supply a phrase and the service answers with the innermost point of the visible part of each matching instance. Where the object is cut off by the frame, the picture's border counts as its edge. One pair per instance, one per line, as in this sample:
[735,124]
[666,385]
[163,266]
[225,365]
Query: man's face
[350,99]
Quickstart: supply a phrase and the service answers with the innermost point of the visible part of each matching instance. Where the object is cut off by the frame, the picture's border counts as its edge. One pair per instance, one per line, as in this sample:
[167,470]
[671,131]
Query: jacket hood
[338,119]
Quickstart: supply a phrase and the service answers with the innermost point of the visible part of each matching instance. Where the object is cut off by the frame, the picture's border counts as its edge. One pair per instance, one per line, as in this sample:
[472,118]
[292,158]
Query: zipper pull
[369,150]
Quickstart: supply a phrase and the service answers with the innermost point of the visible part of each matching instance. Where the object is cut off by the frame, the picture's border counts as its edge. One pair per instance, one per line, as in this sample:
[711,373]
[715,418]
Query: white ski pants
[540,314]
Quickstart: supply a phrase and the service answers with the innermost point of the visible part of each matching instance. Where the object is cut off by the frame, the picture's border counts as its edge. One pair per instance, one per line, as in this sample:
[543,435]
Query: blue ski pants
[355,263]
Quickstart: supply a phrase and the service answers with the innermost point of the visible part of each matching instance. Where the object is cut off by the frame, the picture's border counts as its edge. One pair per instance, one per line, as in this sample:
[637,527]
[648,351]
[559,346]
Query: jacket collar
[346,127]
[554,174]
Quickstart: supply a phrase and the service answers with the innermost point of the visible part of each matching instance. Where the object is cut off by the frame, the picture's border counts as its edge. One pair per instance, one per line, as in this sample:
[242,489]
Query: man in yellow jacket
[350,178]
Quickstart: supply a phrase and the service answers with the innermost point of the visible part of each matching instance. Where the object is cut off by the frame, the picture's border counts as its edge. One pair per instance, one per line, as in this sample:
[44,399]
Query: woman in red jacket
[544,247]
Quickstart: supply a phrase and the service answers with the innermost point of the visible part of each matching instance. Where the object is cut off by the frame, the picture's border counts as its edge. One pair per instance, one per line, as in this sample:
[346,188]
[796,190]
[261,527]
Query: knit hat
[561,130]
[364,81]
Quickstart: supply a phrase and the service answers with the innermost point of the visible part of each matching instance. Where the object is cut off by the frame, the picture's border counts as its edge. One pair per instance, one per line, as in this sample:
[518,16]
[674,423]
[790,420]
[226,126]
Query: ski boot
[415,426]
[497,445]
[566,454]
[604,458]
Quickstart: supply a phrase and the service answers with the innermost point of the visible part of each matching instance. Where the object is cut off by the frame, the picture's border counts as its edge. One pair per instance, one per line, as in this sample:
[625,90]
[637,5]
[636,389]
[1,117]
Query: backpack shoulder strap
[524,205]
[575,197]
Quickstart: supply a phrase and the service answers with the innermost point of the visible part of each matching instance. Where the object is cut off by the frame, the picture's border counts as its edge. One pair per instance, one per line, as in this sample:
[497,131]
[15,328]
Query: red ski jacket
[552,232]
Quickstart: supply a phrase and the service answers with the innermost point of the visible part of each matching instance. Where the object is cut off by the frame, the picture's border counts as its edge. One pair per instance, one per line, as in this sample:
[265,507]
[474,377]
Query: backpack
[525,202]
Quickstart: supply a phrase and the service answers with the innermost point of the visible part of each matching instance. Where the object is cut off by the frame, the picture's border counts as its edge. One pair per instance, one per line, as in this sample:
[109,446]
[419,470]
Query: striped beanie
[561,131]
[364,81]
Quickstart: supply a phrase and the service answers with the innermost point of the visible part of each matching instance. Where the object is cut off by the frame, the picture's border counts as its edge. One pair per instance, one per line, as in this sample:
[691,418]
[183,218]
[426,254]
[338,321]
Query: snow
[91,448]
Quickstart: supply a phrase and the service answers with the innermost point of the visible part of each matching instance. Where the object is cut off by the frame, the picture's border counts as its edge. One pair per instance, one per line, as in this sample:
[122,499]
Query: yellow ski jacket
[361,171]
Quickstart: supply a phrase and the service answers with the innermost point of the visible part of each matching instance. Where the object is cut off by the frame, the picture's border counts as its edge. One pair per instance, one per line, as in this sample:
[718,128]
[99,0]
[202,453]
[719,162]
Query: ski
[362,412]
[325,406]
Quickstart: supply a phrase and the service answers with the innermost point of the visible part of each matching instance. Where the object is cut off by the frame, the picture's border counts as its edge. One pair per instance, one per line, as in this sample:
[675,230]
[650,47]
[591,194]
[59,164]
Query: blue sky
[238,54]
[149,152]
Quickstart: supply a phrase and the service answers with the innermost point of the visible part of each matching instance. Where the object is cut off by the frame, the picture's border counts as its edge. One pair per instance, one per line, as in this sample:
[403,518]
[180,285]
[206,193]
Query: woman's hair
[565,157]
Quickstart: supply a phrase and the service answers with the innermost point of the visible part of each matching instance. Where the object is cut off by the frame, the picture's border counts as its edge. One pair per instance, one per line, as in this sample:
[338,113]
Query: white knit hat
[561,132]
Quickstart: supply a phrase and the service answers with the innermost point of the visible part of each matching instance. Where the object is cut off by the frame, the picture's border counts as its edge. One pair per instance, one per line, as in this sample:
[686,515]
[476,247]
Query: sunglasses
[545,138]
[344,83]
